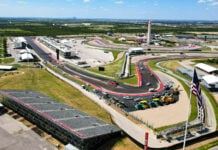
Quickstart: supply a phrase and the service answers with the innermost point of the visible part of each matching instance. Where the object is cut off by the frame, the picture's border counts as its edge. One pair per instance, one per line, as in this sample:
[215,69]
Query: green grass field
[111,70]
[134,76]
[2,47]
[115,53]
[114,69]
[11,30]
[7,60]
[208,146]
[42,81]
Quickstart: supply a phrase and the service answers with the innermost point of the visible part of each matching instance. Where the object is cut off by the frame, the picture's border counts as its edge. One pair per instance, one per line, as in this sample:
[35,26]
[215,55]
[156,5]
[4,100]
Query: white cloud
[214,3]
[201,1]
[86,1]
[21,2]
[209,2]
[119,2]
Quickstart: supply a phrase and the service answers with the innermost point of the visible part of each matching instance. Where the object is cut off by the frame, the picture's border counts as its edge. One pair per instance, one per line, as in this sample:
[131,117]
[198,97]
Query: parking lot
[86,56]
[18,136]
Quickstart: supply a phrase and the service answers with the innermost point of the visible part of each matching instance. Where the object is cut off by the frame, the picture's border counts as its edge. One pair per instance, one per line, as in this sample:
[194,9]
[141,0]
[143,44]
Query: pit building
[67,124]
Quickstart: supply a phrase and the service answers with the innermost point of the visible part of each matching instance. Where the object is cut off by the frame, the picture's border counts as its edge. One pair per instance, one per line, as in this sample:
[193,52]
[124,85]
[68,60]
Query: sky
[112,9]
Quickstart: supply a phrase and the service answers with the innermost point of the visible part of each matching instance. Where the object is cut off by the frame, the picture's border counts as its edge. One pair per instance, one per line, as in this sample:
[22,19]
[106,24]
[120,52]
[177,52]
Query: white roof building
[24,51]
[206,68]
[19,42]
[210,81]
[3,67]
[20,39]
[136,50]
[64,41]
[26,57]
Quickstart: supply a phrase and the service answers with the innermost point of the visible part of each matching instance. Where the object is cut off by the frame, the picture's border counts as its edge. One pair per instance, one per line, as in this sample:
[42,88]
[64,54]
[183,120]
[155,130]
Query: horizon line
[75,18]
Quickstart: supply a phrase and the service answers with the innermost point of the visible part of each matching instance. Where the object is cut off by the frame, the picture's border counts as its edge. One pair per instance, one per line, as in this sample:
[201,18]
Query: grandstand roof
[206,67]
[188,72]
[73,120]
[211,79]
[58,46]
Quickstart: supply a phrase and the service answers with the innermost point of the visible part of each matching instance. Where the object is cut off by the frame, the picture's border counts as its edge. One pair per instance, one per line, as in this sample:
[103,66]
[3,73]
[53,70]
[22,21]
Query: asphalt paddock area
[127,103]
[16,136]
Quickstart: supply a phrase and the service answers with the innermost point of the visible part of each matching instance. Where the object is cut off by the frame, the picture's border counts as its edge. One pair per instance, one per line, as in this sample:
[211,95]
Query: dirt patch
[119,56]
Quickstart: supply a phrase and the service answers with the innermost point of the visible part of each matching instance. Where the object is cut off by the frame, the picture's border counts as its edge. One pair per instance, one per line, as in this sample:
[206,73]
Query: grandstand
[62,121]
[189,72]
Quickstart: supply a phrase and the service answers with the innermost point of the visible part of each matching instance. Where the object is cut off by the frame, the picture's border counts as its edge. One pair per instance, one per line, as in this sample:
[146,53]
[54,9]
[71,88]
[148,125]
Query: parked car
[151,90]
[127,97]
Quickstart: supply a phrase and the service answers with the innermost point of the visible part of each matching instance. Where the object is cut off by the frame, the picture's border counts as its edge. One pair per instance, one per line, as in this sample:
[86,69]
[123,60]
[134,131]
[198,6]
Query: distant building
[122,39]
[7,68]
[188,72]
[142,39]
[26,57]
[167,35]
[185,36]
[86,24]
[20,43]
[206,68]
[110,33]
[64,50]
[136,50]
[211,82]
[209,37]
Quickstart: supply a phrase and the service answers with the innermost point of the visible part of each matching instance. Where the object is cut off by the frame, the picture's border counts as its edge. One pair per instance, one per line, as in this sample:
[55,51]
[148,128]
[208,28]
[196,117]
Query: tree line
[49,29]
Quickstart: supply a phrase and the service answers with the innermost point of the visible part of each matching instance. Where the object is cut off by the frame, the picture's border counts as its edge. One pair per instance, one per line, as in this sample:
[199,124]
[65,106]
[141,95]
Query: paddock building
[67,124]
[206,68]
[211,82]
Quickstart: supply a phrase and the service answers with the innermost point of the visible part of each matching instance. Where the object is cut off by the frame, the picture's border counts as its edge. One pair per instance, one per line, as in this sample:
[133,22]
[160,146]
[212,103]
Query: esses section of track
[146,75]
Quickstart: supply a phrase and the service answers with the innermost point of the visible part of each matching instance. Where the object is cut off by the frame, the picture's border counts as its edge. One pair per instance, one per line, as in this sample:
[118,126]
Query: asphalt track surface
[144,72]
[105,44]
[129,95]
